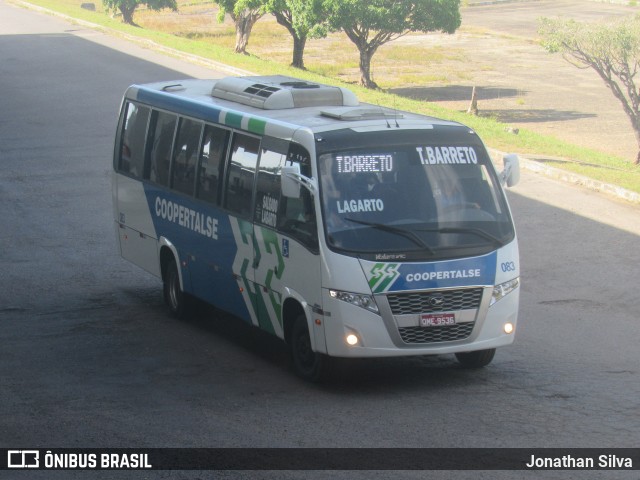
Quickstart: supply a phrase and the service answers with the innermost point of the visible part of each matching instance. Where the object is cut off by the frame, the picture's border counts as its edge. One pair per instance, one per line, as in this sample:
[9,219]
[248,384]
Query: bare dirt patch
[520,84]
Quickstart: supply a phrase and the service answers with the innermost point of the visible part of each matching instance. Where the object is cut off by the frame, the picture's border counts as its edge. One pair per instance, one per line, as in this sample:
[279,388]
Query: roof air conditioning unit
[279,92]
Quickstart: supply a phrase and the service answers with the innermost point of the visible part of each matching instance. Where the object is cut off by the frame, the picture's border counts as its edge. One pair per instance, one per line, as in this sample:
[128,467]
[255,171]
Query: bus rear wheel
[178,302]
[309,365]
[477,359]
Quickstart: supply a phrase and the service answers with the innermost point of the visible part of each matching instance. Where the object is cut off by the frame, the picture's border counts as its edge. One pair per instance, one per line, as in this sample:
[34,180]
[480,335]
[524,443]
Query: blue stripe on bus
[179,105]
[198,110]
[463,272]
[203,237]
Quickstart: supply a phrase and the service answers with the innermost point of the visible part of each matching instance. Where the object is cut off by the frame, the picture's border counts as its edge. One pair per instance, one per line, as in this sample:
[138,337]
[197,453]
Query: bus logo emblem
[436,301]
[383,275]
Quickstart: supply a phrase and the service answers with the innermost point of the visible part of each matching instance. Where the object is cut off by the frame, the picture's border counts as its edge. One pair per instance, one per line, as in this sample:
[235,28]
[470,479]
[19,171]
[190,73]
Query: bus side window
[163,126]
[131,160]
[268,190]
[214,147]
[297,216]
[185,156]
[241,173]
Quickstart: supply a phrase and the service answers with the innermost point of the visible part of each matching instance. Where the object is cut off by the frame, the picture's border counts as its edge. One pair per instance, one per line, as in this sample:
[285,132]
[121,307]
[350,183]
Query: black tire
[179,303]
[307,364]
[477,359]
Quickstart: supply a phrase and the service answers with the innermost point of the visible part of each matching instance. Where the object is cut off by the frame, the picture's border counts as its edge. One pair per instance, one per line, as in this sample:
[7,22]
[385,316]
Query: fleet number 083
[508,266]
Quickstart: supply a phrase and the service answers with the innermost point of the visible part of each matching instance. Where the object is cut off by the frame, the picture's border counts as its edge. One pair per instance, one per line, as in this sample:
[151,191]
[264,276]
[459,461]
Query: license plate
[437,320]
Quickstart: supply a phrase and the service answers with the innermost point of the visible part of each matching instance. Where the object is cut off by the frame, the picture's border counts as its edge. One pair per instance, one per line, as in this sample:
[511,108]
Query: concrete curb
[574,178]
[526,163]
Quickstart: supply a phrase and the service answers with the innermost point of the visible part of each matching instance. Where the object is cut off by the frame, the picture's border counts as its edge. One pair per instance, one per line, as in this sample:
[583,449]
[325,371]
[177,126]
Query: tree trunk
[636,129]
[473,106]
[244,23]
[298,52]
[242,40]
[127,14]
[284,18]
[365,68]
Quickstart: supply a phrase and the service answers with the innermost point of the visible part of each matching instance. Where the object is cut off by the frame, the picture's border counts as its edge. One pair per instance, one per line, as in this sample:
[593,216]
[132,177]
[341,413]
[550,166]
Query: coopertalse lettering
[447,155]
[443,275]
[186,217]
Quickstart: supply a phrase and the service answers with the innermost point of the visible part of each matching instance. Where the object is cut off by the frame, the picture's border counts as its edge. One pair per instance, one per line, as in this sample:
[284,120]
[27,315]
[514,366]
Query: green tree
[303,19]
[611,49]
[245,14]
[128,7]
[372,23]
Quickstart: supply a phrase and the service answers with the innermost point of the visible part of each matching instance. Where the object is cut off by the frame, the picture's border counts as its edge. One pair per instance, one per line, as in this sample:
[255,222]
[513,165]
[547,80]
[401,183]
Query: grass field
[194,29]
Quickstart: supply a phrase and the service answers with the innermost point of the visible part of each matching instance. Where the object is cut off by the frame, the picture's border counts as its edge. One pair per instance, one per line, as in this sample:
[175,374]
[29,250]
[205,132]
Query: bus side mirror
[511,173]
[291,179]
[290,182]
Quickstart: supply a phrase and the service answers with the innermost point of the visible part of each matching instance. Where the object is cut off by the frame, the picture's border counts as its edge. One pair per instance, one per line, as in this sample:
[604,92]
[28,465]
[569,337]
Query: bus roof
[250,103]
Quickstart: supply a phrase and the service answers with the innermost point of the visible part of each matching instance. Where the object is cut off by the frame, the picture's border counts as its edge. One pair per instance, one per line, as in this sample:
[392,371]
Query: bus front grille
[447,333]
[435,301]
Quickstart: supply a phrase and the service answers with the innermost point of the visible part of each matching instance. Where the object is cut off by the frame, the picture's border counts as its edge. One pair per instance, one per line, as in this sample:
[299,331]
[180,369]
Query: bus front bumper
[351,331]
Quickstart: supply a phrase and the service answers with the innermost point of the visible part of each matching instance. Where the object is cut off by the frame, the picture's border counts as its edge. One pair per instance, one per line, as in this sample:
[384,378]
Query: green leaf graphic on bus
[271,246]
[383,275]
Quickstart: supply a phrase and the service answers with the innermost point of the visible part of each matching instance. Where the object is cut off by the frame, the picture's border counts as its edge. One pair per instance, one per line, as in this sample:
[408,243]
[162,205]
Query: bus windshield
[415,201]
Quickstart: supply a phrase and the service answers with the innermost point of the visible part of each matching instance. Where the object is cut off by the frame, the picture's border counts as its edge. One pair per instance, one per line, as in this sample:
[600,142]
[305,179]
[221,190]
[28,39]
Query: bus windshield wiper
[409,234]
[476,231]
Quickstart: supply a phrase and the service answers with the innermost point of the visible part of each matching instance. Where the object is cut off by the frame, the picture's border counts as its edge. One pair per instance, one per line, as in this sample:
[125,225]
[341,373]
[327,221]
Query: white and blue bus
[345,229]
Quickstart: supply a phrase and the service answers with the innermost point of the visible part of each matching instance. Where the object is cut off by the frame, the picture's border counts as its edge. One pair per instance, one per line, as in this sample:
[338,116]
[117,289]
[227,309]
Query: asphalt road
[90,358]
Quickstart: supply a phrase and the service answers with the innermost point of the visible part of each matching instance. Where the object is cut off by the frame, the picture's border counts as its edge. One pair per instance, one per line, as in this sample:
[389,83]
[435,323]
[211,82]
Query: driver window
[297,216]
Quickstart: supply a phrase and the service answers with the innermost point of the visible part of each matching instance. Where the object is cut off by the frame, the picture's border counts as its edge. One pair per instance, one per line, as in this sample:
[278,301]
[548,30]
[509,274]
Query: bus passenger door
[268,258]
[287,258]
[285,239]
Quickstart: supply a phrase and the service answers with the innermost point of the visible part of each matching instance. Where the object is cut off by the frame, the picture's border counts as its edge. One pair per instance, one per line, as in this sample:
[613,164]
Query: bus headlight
[359,300]
[352,340]
[504,289]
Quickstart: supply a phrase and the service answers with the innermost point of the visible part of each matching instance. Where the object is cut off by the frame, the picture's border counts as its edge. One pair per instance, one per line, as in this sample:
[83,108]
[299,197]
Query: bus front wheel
[309,365]
[477,359]
[175,298]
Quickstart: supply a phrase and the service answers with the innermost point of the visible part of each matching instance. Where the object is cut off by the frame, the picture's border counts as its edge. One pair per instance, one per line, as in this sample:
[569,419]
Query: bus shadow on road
[365,374]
